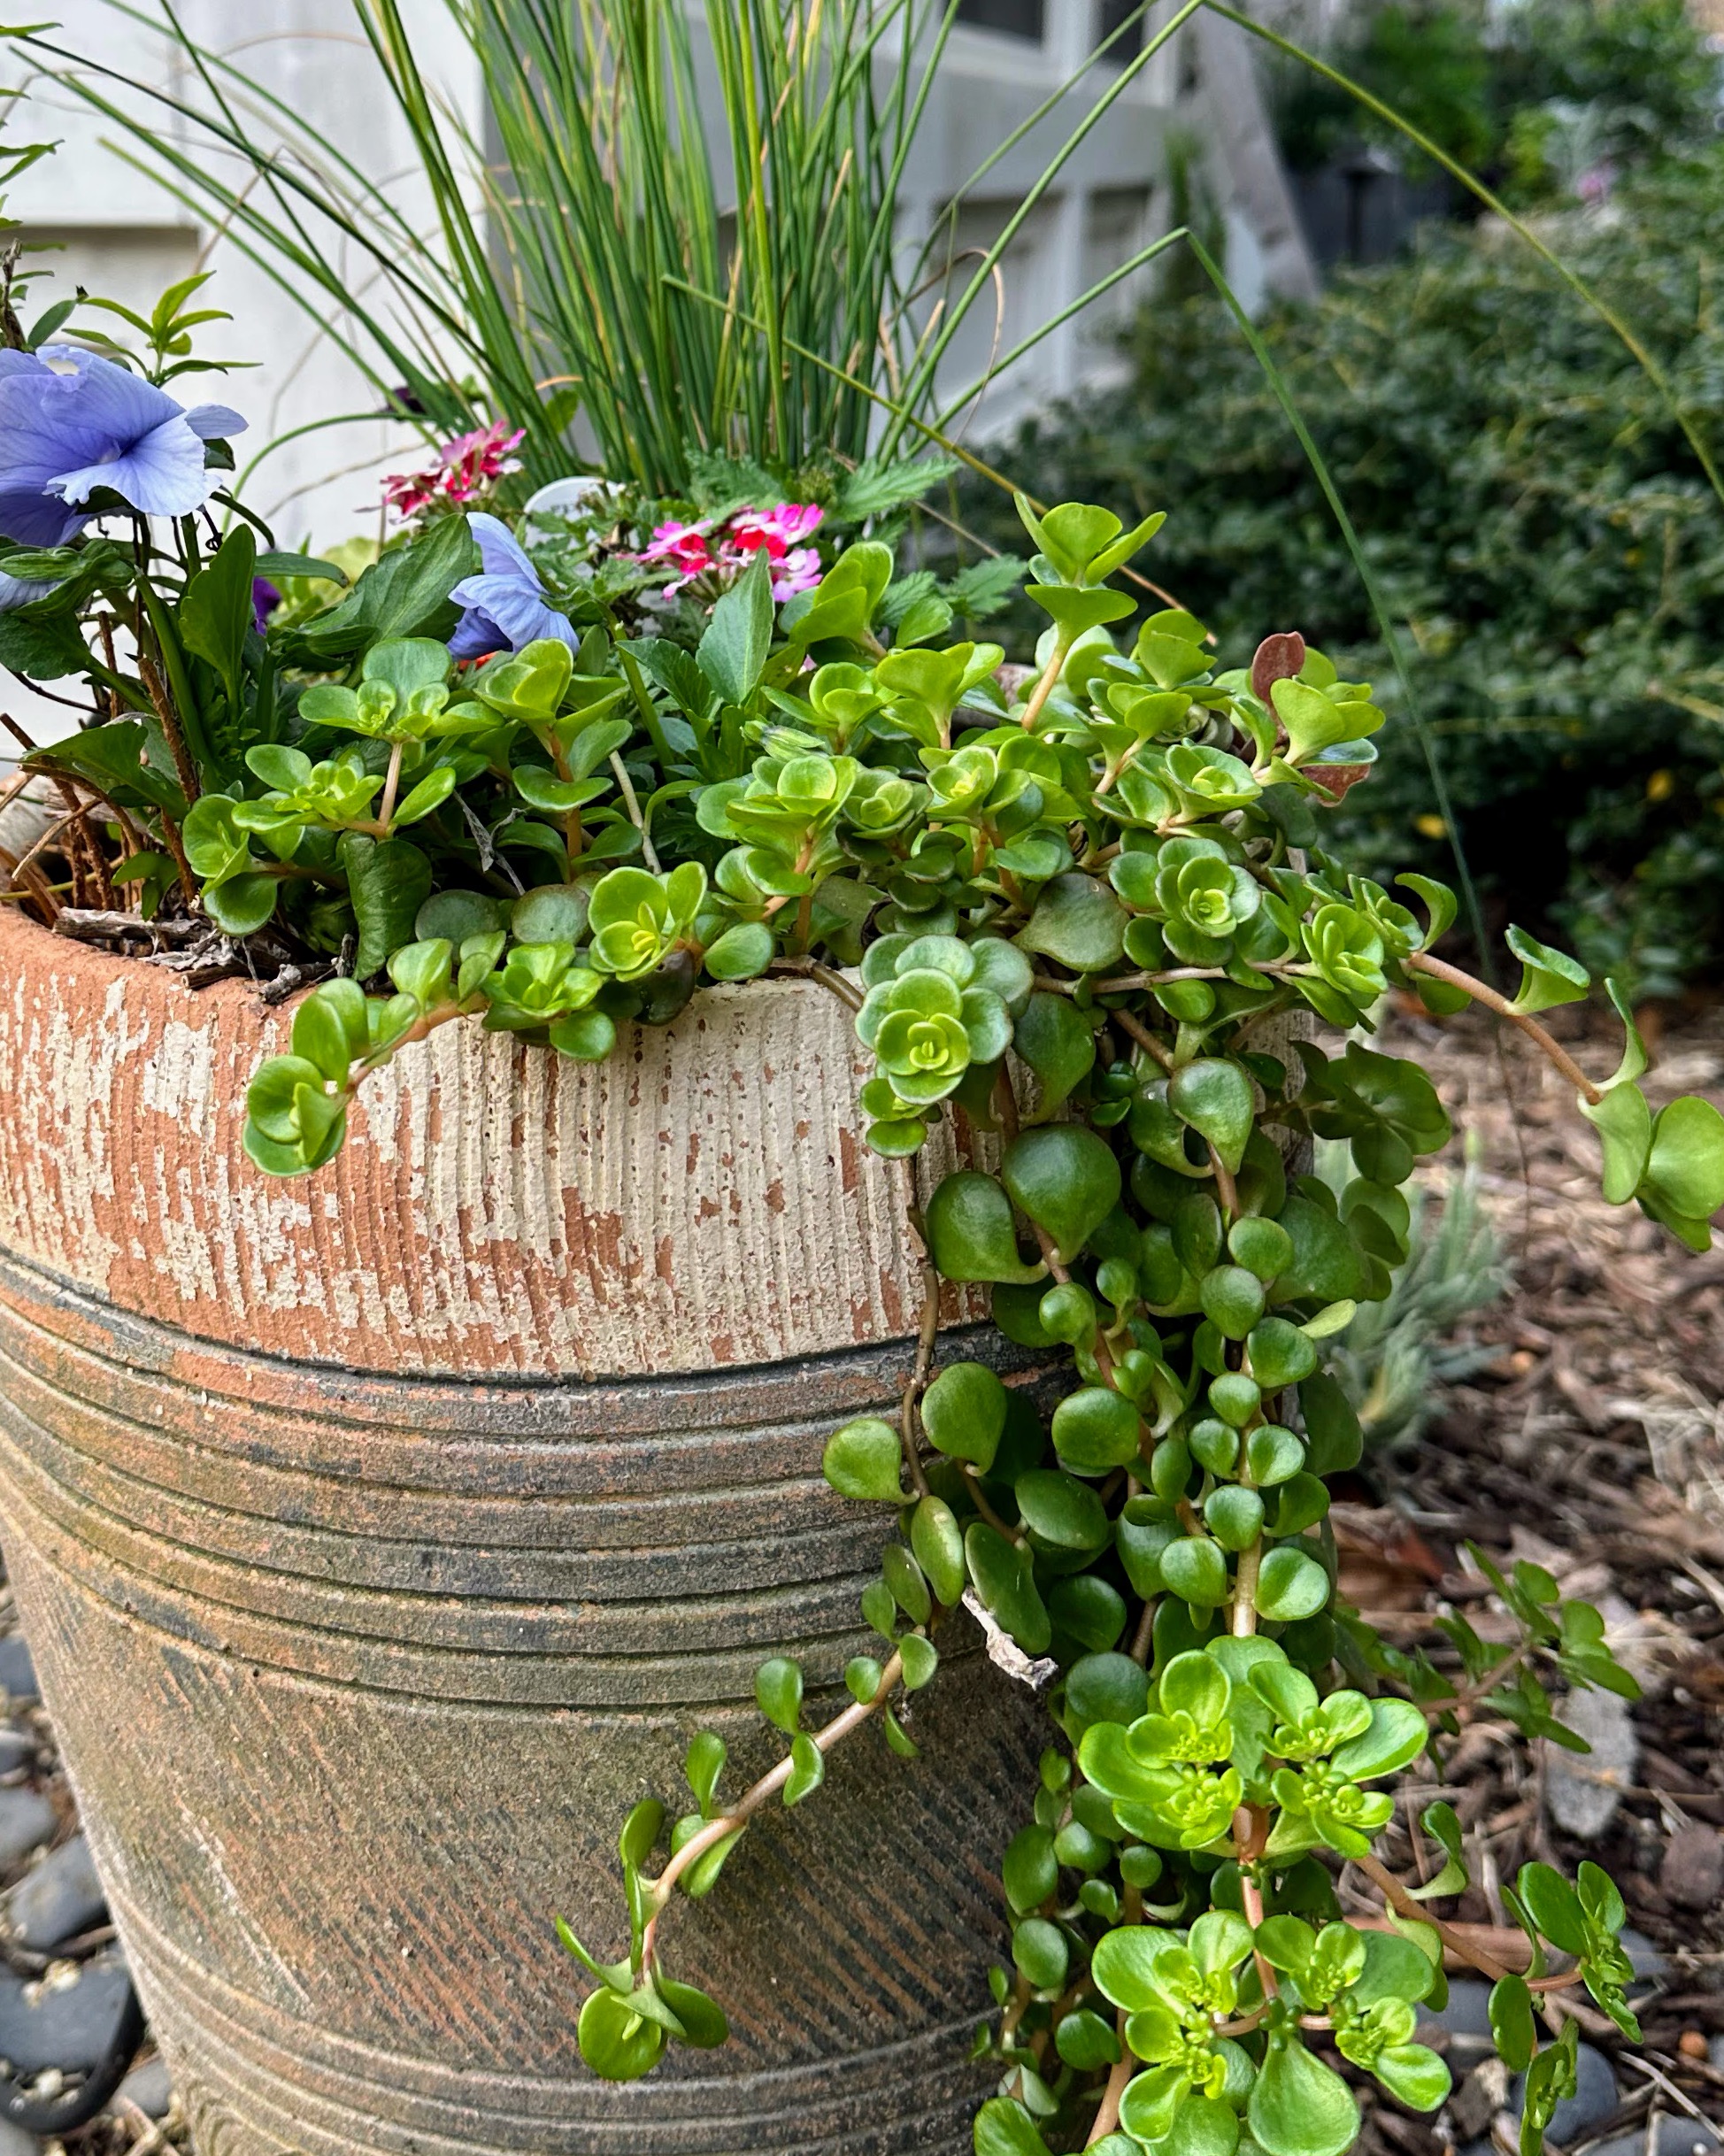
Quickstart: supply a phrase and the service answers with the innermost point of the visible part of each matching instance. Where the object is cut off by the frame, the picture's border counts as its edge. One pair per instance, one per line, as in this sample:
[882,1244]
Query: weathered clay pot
[382,1536]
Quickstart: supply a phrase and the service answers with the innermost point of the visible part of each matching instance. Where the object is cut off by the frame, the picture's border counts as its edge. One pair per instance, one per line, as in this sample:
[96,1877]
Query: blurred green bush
[1545,540]
[1536,94]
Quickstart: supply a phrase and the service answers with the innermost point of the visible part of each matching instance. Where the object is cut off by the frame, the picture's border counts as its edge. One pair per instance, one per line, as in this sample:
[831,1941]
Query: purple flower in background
[70,423]
[265,599]
[505,603]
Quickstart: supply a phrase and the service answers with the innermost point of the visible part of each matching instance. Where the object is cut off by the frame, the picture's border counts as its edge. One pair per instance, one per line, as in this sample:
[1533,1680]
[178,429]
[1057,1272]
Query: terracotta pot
[382,1536]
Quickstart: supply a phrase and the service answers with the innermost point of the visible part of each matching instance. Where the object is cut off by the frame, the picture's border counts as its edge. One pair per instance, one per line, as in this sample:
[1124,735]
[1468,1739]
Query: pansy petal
[35,518]
[163,475]
[122,405]
[519,612]
[476,635]
[21,590]
[214,422]
[499,549]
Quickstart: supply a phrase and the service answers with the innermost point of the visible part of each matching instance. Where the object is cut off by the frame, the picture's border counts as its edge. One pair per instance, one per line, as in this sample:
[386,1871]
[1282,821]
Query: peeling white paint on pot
[702,1199]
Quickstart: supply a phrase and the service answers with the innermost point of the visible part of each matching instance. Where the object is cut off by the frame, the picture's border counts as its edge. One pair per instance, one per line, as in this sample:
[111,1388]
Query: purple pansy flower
[505,603]
[265,597]
[70,423]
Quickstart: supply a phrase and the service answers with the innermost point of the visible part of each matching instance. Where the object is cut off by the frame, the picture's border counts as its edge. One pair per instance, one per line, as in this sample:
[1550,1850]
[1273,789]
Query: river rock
[1583,1789]
[26,1820]
[18,1672]
[60,1899]
[67,2024]
[1691,1874]
[1594,2099]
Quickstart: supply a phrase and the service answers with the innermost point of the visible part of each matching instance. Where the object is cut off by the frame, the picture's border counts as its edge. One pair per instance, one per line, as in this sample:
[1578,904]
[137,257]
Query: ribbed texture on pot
[703,1199]
[382,1536]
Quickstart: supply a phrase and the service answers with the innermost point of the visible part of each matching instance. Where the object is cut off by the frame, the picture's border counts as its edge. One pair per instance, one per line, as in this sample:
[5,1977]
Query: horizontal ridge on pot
[362,1617]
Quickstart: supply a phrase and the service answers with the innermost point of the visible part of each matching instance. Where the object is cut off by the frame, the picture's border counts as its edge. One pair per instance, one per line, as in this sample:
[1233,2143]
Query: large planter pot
[383,1535]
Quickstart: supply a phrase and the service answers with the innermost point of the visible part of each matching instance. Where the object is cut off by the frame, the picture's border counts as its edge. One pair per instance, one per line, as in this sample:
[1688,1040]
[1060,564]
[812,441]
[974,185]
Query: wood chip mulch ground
[1592,1442]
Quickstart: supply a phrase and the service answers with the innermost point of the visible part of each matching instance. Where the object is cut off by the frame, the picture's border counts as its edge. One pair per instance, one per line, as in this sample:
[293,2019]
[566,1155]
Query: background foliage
[1534,517]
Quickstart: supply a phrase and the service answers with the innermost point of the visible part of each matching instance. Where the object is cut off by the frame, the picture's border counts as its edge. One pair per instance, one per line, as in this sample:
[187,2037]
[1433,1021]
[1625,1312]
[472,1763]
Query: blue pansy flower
[506,607]
[70,423]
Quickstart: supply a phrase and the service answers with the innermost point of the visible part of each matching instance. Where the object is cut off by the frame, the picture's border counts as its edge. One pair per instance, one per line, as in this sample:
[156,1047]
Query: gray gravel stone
[15,2142]
[1468,2011]
[1692,1872]
[18,1672]
[1583,1789]
[1674,2136]
[147,2086]
[1646,1958]
[59,1900]
[17,1748]
[69,2026]
[1594,2099]
[26,1820]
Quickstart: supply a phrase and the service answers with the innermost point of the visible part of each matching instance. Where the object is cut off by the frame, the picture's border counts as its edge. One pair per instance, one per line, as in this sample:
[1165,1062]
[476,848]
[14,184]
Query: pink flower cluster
[718,552]
[471,464]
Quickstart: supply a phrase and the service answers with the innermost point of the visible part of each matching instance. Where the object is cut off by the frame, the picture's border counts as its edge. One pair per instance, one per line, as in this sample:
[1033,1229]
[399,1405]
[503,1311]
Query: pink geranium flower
[778,530]
[715,557]
[798,571]
[471,464]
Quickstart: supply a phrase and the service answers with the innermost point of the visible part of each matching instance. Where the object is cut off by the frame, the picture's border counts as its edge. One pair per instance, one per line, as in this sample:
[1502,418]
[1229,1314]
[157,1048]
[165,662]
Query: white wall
[124,236]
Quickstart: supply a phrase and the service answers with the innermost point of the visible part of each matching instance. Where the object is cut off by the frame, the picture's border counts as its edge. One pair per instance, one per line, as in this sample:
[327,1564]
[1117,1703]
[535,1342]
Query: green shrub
[1545,540]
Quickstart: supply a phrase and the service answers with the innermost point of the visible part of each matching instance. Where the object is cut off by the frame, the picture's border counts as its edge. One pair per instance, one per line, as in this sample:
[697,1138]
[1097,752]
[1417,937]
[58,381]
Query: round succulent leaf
[1065,1178]
[936,1541]
[1124,1963]
[1217,1101]
[1058,1043]
[1234,1398]
[1685,1166]
[1299,2106]
[1232,1299]
[1263,1247]
[964,1412]
[1337,1441]
[863,1461]
[1281,1354]
[1215,1446]
[616,2042]
[586,1037]
[904,1577]
[741,953]
[1234,1516]
[1039,1950]
[1085,2041]
[1291,1585]
[1005,1585]
[1140,1541]
[703,2021]
[778,1692]
[1194,1569]
[1414,2076]
[970,1232]
[1079,923]
[1088,1610]
[920,1659]
[1004,2128]
[1273,1455]
[1395,1738]
[1110,1688]
[1030,1871]
[1096,1429]
[1062,1511]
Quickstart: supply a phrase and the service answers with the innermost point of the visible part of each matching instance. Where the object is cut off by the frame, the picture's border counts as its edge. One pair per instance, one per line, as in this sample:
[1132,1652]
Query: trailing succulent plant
[1078,916]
